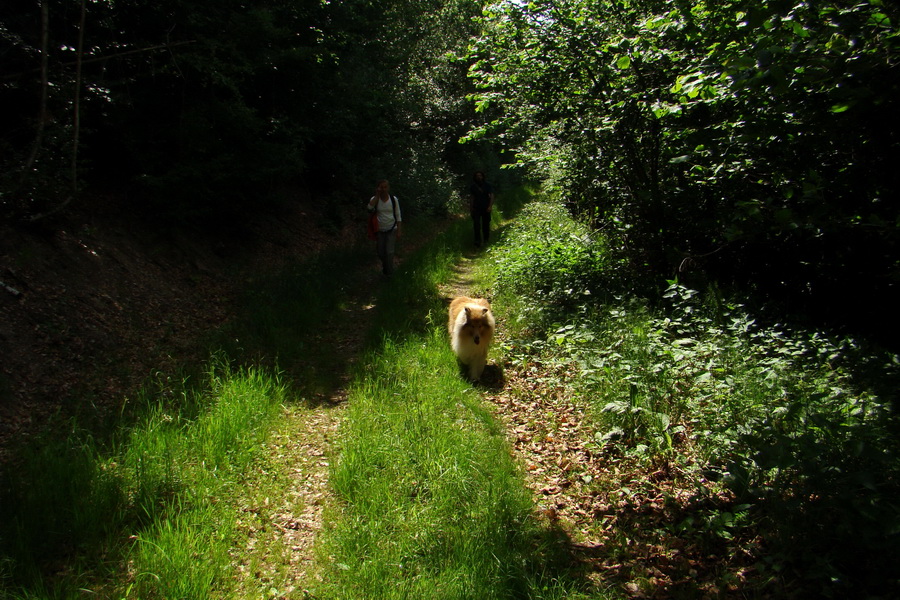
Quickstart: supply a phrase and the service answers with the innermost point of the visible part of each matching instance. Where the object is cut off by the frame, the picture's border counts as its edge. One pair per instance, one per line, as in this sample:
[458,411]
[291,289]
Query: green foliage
[553,263]
[799,426]
[203,110]
[775,416]
[749,141]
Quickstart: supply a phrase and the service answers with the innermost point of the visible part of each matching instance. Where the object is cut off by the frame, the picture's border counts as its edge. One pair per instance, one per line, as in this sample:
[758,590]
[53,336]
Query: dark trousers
[481,221]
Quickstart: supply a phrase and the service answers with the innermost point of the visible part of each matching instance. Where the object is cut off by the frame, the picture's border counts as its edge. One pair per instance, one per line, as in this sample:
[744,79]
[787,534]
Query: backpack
[372,224]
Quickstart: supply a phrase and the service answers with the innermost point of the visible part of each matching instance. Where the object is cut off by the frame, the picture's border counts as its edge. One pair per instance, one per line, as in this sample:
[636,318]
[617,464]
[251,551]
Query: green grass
[282,314]
[430,502]
[153,499]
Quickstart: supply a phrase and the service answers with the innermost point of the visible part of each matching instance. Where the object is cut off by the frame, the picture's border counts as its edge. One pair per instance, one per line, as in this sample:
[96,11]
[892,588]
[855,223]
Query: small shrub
[549,257]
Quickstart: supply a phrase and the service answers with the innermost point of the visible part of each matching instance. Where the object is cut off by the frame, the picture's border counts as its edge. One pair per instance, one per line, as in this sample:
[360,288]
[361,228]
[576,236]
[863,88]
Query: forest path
[279,529]
[278,558]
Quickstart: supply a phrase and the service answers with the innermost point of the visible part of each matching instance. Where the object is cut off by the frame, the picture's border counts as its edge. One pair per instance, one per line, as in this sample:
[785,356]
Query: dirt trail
[462,282]
[278,557]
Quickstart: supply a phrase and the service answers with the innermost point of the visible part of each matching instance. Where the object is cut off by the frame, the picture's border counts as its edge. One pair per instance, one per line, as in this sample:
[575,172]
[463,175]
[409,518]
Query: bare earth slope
[93,301]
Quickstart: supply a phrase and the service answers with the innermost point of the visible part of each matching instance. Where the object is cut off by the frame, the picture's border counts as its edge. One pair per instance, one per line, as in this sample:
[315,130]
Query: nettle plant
[796,424]
[758,402]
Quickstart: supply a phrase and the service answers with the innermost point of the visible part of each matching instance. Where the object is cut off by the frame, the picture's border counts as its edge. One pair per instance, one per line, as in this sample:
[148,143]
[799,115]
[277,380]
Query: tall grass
[183,475]
[152,499]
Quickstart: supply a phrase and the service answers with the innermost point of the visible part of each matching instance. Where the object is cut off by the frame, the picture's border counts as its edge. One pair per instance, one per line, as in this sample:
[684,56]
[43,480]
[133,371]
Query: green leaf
[624,62]
[879,20]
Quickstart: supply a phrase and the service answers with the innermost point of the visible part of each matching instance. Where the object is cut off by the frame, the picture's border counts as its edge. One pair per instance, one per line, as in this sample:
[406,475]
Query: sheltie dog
[471,328]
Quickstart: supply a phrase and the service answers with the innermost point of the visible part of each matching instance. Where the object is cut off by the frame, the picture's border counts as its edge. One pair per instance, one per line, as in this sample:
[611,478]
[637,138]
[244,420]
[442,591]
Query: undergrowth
[796,427]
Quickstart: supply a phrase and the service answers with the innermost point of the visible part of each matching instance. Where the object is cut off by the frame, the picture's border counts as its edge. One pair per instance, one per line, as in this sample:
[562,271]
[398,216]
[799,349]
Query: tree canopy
[753,140]
[205,109]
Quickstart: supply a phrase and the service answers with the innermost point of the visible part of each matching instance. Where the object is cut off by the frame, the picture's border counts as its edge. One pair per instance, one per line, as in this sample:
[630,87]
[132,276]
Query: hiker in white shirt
[387,208]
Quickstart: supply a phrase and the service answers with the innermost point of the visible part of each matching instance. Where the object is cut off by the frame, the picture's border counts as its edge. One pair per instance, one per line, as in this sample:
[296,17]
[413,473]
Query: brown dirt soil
[92,302]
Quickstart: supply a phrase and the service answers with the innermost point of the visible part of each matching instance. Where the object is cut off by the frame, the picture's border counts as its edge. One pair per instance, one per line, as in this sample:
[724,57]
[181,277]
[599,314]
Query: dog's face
[477,325]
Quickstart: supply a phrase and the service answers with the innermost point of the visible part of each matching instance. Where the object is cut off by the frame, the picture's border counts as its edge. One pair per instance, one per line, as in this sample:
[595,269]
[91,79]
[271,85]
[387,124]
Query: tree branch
[76,118]
[94,59]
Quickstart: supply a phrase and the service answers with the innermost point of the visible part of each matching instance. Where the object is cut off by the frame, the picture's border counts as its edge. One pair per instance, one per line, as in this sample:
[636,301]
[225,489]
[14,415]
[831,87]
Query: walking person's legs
[481,224]
[386,244]
[485,226]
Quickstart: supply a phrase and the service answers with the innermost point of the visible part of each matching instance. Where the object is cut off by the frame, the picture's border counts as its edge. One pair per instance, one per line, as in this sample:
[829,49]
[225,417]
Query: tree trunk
[45,86]
[76,119]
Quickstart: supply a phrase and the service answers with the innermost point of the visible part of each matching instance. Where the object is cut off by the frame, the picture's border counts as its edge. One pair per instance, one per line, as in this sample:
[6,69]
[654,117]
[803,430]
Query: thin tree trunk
[45,86]
[77,106]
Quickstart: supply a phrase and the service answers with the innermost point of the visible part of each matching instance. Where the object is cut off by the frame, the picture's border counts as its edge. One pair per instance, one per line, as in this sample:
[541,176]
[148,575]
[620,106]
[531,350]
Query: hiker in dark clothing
[481,206]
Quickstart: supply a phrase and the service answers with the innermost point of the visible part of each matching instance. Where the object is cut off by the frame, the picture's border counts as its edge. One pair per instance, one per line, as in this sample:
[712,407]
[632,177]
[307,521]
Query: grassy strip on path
[430,505]
[429,501]
[281,509]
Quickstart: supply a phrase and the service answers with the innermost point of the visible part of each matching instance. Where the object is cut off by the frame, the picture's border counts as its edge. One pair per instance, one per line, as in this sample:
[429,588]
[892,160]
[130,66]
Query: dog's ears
[484,313]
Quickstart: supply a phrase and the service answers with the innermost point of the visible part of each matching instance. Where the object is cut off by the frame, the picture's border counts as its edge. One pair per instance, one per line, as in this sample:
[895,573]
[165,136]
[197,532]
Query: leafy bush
[549,257]
[779,417]
[745,140]
[796,426]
